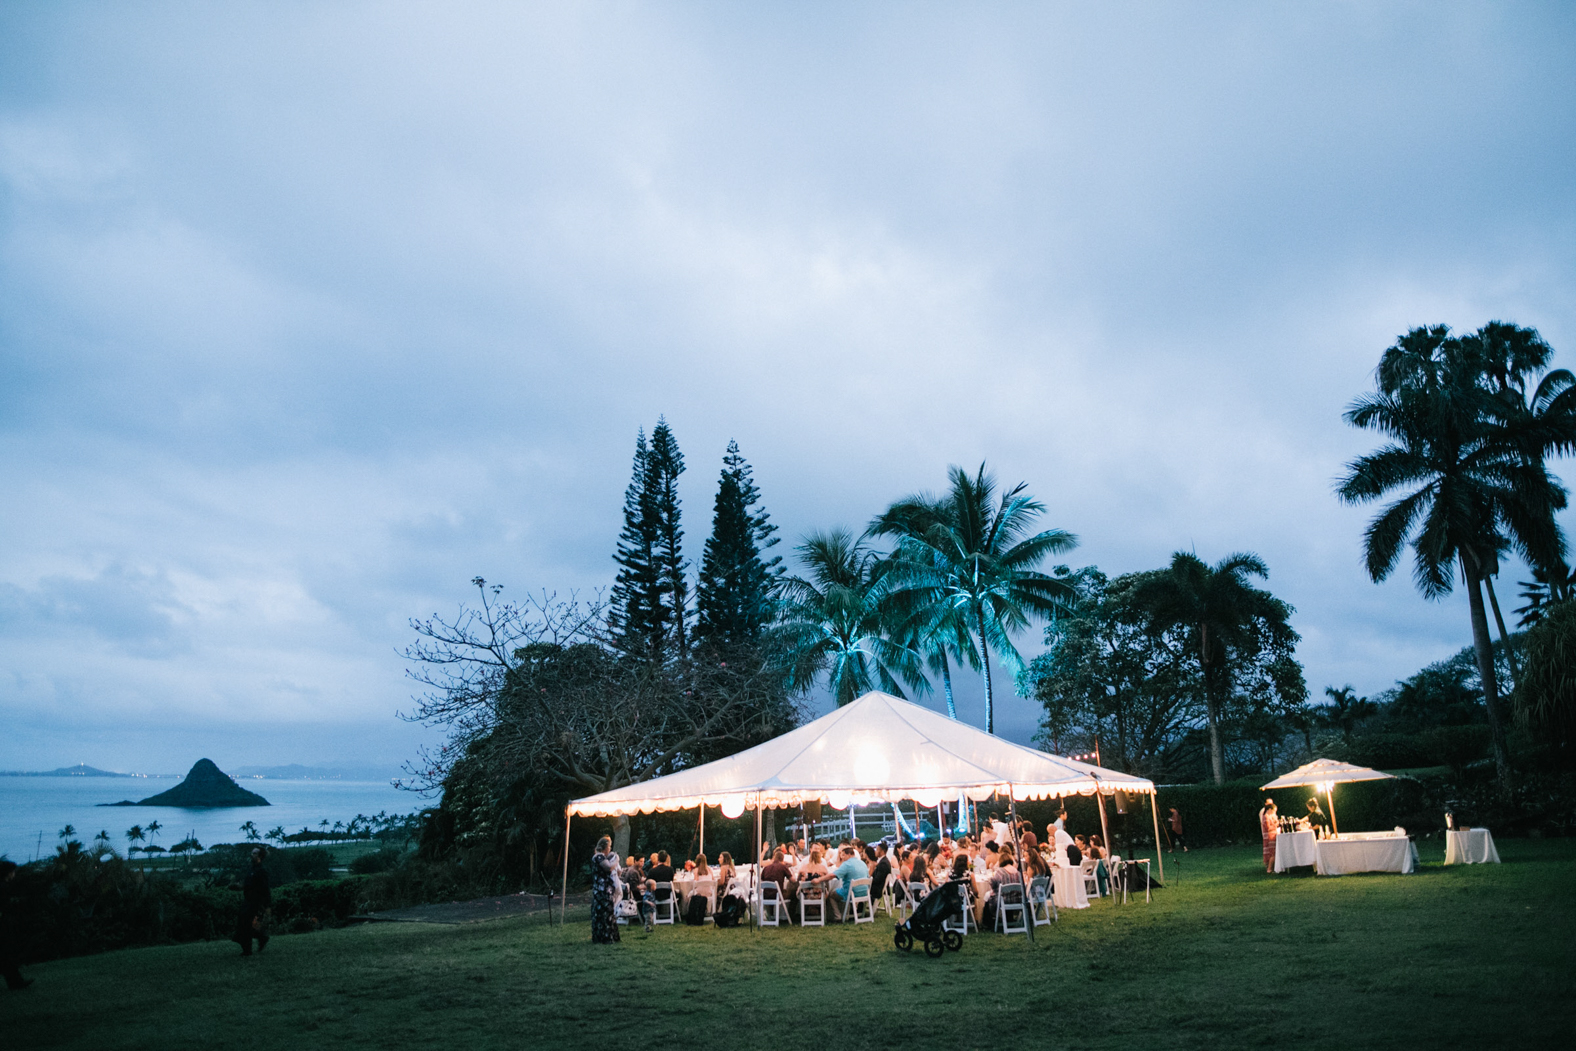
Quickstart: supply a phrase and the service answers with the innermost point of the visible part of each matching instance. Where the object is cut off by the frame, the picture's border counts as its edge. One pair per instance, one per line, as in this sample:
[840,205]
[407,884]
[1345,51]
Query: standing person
[10,943]
[1175,821]
[1269,828]
[1317,818]
[604,863]
[255,899]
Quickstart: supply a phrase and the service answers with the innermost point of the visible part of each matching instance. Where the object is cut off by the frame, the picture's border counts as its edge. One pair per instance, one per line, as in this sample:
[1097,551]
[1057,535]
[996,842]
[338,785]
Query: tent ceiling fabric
[1326,771]
[877,749]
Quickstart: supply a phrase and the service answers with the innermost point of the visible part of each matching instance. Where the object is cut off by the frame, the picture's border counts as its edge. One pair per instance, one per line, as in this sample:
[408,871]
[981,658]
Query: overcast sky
[311,313]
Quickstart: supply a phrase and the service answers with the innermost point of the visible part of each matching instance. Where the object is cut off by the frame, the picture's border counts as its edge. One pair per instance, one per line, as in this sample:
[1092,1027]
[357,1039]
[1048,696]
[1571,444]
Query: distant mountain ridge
[205,786]
[298,772]
[80,770]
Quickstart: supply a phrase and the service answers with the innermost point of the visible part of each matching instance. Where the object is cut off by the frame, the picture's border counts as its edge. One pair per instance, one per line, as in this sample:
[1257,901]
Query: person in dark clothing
[255,900]
[10,951]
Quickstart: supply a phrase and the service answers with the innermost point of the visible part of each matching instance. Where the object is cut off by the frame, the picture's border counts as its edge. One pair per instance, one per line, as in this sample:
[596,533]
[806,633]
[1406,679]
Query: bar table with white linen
[1365,852]
[1472,846]
[1293,849]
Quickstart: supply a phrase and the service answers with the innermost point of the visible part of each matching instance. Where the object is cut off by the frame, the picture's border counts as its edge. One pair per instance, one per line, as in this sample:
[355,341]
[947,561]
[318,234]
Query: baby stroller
[940,905]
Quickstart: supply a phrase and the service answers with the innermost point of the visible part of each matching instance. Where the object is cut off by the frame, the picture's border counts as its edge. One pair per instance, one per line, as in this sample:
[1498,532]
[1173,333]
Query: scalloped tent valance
[877,749]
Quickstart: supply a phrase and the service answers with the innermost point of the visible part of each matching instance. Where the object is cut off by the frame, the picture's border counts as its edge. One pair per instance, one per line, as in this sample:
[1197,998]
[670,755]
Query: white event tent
[876,749]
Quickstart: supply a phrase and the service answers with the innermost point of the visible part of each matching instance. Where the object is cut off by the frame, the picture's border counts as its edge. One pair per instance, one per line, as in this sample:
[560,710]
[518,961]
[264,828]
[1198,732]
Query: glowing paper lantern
[838,800]
[732,806]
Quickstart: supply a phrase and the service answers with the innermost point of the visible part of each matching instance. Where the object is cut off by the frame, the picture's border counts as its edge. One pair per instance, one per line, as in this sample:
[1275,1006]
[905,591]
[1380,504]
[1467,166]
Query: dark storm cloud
[308,315]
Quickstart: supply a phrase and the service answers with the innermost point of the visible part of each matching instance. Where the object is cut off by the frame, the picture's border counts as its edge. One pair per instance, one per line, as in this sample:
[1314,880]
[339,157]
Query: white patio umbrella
[1324,775]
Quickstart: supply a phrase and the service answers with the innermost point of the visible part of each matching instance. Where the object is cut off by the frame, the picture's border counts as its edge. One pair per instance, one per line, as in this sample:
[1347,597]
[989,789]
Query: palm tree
[937,628]
[1468,447]
[134,836]
[1547,587]
[250,828]
[835,621]
[1225,618]
[153,830]
[969,561]
[1346,710]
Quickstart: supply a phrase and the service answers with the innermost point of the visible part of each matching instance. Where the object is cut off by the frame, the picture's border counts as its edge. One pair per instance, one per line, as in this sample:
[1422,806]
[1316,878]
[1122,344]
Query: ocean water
[33,810]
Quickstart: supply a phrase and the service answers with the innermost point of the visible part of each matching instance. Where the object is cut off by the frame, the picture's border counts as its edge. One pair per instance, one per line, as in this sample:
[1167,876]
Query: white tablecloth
[1373,852]
[1472,847]
[1067,888]
[1293,849]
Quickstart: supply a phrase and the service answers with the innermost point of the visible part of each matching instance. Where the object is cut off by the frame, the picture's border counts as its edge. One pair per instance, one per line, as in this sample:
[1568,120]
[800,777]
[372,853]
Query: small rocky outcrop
[206,786]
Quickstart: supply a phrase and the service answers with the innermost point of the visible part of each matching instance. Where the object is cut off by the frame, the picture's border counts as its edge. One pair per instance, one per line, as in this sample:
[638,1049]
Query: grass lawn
[1478,956]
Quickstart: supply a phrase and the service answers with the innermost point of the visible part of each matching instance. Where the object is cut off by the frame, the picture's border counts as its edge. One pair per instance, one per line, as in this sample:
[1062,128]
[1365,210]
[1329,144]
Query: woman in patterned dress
[604,863]
[1269,828]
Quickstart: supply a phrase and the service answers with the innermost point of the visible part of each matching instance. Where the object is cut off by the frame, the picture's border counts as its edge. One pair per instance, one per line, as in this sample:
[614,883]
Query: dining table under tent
[877,749]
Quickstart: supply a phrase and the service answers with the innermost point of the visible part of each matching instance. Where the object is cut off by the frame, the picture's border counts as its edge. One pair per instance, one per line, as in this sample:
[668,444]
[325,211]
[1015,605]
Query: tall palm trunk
[1484,646]
[946,685]
[1217,751]
[990,700]
[1504,636]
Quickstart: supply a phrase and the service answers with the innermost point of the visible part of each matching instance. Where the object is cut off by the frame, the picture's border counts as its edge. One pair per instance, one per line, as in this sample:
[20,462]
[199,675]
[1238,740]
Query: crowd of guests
[1000,854]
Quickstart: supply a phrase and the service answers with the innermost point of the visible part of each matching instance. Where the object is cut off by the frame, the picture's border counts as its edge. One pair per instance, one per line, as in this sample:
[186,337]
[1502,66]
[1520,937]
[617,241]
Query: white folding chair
[771,903]
[858,905]
[1091,881]
[667,902]
[812,900]
[1042,904]
[962,924]
[885,901]
[1010,904]
[916,894]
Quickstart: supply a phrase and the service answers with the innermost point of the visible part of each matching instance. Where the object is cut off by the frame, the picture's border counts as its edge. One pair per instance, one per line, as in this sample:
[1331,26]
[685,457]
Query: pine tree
[734,592]
[665,465]
[637,617]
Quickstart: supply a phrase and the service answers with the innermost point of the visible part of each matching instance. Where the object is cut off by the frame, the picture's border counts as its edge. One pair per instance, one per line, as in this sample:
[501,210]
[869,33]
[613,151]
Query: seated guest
[1102,872]
[1083,845]
[778,872]
[1034,863]
[813,868]
[849,868]
[662,870]
[638,887]
[1004,872]
[699,867]
[961,871]
[880,871]
[725,870]
[919,872]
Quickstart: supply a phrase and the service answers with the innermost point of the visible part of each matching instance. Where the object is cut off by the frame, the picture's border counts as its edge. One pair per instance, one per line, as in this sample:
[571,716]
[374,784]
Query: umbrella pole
[1154,812]
[563,899]
[1329,794]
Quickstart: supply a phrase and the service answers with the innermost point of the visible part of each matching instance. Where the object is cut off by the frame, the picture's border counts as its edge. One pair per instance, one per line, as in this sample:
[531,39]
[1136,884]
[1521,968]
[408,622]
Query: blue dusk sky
[309,313]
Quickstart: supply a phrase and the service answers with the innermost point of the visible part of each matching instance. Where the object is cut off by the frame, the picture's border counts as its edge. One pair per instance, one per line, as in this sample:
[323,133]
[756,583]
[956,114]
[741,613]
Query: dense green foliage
[1223,957]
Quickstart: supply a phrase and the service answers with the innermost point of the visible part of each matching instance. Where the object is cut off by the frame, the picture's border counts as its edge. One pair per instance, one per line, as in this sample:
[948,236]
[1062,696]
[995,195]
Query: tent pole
[563,899]
[1105,831]
[755,878]
[1023,874]
[1154,812]
[703,826]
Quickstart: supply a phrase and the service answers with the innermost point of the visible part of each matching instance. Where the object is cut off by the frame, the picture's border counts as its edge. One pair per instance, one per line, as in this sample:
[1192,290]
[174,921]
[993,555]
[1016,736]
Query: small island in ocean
[205,786]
